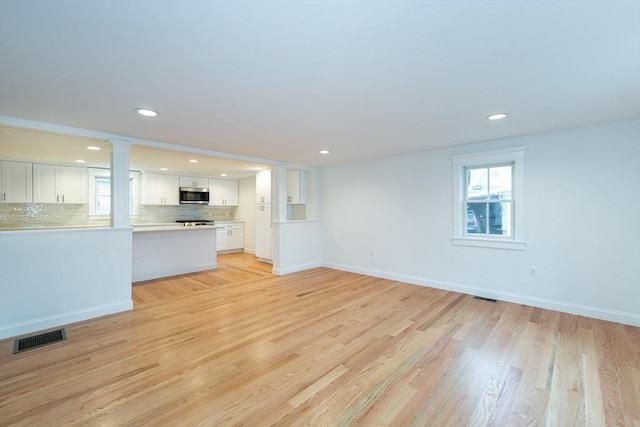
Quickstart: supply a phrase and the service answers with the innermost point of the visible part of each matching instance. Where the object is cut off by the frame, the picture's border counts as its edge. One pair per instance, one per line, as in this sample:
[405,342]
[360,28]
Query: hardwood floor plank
[239,346]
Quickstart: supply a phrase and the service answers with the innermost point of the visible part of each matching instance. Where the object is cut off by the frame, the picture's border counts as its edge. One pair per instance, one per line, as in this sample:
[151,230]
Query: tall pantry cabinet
[263,217]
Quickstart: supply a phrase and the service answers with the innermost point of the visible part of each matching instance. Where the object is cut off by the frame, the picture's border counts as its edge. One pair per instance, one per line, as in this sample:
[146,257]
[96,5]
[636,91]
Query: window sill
[514,245]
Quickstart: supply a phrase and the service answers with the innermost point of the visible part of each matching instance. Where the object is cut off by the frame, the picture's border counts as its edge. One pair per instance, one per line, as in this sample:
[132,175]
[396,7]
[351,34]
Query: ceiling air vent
[36,341]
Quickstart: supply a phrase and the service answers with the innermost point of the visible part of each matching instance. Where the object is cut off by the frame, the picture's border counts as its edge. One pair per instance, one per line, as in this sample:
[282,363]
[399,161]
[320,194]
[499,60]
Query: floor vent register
[40,340]
[485,299]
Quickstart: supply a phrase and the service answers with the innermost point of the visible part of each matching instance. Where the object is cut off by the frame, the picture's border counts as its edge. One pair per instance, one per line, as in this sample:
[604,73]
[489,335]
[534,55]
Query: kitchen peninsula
[161,250]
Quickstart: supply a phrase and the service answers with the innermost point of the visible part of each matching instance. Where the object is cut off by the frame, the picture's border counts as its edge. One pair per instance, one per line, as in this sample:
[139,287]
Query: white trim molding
[40,324]
[514,156]
[626,318]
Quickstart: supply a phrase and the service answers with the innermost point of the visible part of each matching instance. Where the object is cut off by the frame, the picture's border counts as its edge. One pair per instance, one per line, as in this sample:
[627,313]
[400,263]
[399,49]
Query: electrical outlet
[3,217]
[370,252]
[532,272]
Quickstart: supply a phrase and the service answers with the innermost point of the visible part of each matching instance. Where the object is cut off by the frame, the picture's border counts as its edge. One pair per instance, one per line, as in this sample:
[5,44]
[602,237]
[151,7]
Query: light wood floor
[238,346]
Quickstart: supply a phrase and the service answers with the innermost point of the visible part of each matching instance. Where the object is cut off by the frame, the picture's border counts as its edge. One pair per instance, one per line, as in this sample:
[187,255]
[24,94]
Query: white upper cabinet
[161,189]
[263,187]
[296,186]
[194,181]
[223,192]
[59,184]
[16,182]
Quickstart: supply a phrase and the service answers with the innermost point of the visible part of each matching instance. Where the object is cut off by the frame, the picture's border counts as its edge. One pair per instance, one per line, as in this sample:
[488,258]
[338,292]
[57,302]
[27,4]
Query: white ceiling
[57,148]
[280,80]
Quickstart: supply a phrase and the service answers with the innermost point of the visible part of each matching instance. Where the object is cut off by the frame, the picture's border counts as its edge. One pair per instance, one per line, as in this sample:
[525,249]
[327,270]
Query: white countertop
[171,227]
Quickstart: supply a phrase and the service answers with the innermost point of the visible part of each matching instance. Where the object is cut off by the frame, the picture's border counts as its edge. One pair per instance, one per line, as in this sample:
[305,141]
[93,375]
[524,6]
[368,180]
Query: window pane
[477,183]
[476,218]
[103,196]
[500,182]
[489,218]
[500,218]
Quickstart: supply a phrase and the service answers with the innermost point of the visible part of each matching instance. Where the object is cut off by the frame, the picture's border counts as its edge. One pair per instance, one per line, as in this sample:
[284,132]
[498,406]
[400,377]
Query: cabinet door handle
[57,198]
[63,198]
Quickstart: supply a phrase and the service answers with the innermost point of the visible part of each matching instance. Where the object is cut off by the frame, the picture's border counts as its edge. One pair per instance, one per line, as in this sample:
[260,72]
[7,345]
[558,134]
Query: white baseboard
[139,277]
[230,251]
[49,322]
[295,269]
[626,318]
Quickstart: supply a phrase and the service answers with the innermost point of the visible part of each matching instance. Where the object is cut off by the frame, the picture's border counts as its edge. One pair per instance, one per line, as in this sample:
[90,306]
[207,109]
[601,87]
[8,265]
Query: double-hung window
[100,193]
[488,198]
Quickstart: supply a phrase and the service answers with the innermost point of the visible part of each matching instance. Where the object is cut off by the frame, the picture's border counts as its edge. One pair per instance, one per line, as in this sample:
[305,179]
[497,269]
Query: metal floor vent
[485,299]
[36,341]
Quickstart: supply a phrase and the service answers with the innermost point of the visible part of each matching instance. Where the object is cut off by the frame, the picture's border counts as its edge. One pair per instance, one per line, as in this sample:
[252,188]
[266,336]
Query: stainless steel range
[195,222]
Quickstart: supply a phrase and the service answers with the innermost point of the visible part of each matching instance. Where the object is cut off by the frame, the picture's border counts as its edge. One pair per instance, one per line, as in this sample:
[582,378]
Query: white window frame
[134,195]
[513,156]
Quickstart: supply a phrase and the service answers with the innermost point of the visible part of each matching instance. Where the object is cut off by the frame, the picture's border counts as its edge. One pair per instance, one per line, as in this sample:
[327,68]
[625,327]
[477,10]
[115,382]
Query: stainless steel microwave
[194,196]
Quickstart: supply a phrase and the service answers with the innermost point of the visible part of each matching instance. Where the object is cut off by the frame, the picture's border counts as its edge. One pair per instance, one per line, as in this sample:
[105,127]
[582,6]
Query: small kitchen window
[100,193]
[102,200]
[489,199]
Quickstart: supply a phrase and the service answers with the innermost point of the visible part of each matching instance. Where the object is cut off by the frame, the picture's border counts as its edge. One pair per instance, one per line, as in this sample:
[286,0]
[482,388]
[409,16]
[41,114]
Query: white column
[280,192]
[119,184]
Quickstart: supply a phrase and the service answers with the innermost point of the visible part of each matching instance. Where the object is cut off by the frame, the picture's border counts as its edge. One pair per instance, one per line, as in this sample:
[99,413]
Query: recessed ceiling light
[223,174]
[164,169]
[80,161]
[497,116]
[324,151]
[93,148]
[146,112]
[193,161]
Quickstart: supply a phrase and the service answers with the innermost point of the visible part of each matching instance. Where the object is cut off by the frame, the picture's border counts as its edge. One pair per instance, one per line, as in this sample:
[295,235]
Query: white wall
[296,246]
[247,212]
[55,277]
[392,217]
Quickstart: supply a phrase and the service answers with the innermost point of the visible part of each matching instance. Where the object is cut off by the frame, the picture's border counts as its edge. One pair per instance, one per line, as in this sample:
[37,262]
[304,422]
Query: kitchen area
[184,208]
[69,251]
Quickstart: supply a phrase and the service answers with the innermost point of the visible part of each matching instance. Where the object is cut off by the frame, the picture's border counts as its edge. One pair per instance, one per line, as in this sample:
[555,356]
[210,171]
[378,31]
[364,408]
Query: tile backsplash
[51,215]
[152,213]
[45,215]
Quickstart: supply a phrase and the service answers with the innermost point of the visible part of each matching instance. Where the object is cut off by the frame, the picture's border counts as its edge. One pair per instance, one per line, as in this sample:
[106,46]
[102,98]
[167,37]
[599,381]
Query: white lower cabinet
[263,232]
[230,238]
[59,184]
